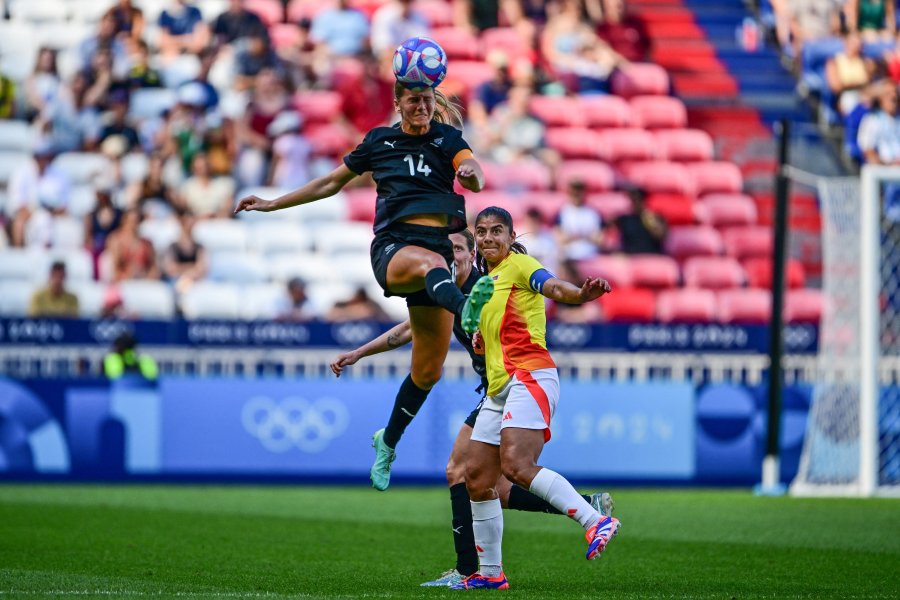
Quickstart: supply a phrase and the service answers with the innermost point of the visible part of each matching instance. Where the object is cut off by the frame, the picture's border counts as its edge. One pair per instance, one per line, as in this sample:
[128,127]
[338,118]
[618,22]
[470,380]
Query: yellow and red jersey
[514,323]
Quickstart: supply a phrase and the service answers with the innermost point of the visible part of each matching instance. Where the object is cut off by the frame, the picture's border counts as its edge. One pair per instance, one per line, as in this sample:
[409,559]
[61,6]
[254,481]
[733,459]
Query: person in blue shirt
[182,29]
[344,31]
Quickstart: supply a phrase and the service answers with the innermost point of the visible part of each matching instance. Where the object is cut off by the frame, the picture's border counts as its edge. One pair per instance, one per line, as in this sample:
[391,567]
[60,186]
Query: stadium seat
[148,299]
[636,79]
[614,268]
[725,210]
[684,145]
[716,176]
[237,267]
[261,301]
[221,235]
[686,305]
[328,139]
[91,296]
[747,306]
[713,272]
[355,270]
[624,144]
[318,106]
[693,240]
[676,209]
[149,103]
[654,271]
[466,75]
[180,70]
[16,136]
[284,35]
[298,10]
[557,111]
[517,176]
[747,242]
[629,305]
[509,41]
[68,233]
[9,162]
[323,295]
[610,204]
[361,204]
[476,202]
[601,111]
[342,238]
[162,233]
[271,237]
[15,297]
[21,264]
[458,43]
[135,167]
[79,264]
[759,273]
[547,202]
[437,12]
[660,176]
[82,167]
[270,11]
[573,142]
[596,175]
[211,300]
[659,112]
[804,306]
[307,266]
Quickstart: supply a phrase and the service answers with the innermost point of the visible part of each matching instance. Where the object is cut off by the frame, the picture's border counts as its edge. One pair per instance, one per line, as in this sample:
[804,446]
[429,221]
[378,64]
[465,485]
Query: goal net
[852,443]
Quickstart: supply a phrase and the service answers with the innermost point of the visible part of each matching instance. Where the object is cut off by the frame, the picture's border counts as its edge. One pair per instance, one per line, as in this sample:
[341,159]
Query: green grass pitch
[353,542]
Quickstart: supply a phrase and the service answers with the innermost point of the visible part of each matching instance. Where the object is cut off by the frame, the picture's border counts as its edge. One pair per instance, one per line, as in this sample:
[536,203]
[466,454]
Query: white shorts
[527,401]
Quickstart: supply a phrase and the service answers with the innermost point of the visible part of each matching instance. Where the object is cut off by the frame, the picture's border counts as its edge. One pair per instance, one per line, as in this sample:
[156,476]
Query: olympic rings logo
[294,423]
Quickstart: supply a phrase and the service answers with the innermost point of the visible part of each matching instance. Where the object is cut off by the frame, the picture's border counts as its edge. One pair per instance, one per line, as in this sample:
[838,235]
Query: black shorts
[470,420]
[399,235]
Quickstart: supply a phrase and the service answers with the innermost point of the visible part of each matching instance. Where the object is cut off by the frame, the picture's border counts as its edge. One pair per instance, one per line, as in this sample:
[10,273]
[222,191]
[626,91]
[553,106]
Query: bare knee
[517,469]
[479,483]
[456,471]
[426,377]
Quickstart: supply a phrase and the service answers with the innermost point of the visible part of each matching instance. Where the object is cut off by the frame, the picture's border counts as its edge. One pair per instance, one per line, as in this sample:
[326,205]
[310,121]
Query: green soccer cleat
[479,296]
[384,456]
[602,503]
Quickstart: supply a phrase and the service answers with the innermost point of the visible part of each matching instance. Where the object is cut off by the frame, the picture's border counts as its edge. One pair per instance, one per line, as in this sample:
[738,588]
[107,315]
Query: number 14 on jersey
[421,168]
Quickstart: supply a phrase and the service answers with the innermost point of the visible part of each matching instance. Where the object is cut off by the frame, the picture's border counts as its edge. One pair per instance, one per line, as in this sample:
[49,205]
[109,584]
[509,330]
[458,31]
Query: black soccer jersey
[478,363]
[414,173]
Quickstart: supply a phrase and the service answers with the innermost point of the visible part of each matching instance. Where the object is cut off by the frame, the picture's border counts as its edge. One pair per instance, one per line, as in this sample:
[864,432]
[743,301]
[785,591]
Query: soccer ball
[420,62]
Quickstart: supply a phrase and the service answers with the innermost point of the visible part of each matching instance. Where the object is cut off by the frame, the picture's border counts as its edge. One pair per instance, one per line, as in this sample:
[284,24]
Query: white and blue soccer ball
[420,62]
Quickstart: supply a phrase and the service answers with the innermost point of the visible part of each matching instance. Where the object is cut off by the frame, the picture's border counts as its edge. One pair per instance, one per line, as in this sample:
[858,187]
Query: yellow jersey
[514,323]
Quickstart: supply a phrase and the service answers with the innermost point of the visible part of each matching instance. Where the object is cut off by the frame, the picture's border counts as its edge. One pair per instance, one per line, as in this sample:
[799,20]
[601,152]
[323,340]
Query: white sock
[487,524]
[555,489]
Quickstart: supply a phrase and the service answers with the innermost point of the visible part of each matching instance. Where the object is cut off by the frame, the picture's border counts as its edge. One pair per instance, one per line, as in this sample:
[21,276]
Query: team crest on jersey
[438,141]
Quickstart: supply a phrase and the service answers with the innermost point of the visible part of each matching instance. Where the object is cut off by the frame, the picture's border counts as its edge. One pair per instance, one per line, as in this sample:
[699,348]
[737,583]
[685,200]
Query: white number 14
[422,168]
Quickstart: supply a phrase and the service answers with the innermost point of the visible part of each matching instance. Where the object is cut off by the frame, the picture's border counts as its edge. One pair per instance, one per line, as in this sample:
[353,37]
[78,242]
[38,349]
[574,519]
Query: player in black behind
[414,164]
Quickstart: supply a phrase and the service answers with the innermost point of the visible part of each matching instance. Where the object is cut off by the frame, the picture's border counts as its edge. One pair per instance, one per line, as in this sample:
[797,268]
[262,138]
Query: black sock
[522,499]
[410,399]
[463,534]
[440,287]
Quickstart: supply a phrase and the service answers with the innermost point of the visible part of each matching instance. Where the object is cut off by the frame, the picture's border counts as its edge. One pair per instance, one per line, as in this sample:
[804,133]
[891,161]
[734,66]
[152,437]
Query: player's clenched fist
[254,203]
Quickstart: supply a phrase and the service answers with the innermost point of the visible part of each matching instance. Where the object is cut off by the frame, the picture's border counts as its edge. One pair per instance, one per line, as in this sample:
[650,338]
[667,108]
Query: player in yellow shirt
[523,389]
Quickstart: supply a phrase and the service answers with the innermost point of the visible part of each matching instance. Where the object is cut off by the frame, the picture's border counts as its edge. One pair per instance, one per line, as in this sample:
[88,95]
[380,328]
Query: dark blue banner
[638,337]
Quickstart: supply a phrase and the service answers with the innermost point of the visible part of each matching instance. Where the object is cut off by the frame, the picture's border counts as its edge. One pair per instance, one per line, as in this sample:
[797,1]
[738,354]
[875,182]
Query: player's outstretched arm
[470,175]
[563,291]
[391,339]
[318,188]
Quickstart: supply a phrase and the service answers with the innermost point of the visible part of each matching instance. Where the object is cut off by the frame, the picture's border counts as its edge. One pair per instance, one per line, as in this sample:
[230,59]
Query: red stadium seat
[270,11]
[556,111]
[368,6]
[319,106]
[625,144]
[307,9]
[605,111]
[610,204]
[459,44]
[573,142]
[361,204]
[629,306]
[597,175]
[749,306]
[684,145]
[509,41]
[438,12]
[466,75]
[655,271]
[517,176]
[724,210]
[759,273]
[804,306]
[713,272]
[615,269]
[693,240]
[686,305]
[637,79]
[747,242]
[676,209]
[661,176]
[284,35]
[475,203]
[547,202]
[329,139]
[659,112]
[716,176]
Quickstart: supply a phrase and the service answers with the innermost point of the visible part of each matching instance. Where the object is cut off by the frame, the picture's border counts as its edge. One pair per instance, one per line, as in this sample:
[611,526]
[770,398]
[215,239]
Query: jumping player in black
[414,164]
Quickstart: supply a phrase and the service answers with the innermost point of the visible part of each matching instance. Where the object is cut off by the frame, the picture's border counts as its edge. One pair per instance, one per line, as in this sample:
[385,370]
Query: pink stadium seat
[661,176]
[684,145]
[475,203]
[745,306]
[693,240]
[507,40]
[368,6]
[686,305]
[614,268]
[747,242]
[716,176]
[659,112]
[319,106]
[637,79]
[270,11]
[713,272]
[284,35]
[329,139]
[609,204]
[759,273]
[804,306]
[655,271]
[307,9]
[629,305]
[625,144]
[438,12]
[557,111]
[725,210]
[605,111]
[573,142]
[549,203]
[676,209]
[517,176]
[466,75]
[597,175]
[361,204]
[457,43]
